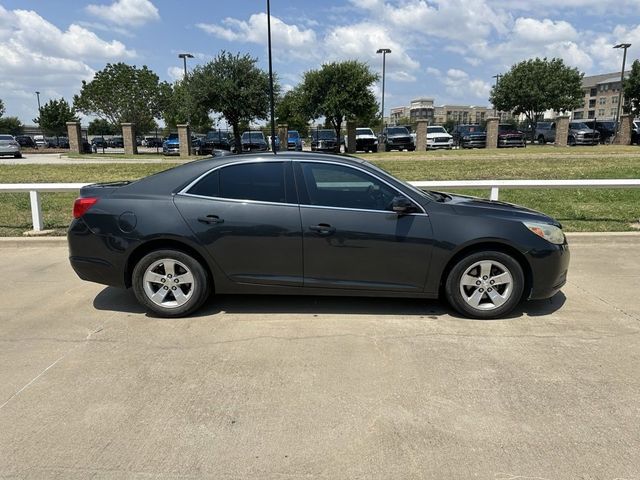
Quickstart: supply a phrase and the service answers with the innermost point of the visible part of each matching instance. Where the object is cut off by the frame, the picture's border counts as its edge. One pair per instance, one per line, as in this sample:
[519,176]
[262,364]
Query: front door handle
[323,229]
[210,219]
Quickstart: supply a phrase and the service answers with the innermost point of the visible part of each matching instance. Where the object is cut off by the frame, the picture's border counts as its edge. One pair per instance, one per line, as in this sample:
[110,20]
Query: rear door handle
[322,229]
[212,219]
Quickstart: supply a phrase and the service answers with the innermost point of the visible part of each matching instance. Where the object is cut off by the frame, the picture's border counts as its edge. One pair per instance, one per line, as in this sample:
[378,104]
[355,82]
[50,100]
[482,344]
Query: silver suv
[579,133]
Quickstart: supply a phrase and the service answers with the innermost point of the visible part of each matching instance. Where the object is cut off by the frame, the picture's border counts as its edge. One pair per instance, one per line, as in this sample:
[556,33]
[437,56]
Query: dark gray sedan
[315,224]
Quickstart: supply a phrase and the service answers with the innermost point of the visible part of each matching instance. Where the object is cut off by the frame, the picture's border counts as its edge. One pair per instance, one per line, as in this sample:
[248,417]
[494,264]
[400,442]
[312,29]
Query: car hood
[510,132]
[365,136]
[463,203]
[398,135]
[582,130]
[438,135]
[473,134]
[173,141]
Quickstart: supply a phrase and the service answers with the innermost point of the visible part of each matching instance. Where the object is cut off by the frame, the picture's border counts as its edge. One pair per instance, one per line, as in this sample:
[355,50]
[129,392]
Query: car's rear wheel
[571,141]
[170,283]
[17,155]
[485,285]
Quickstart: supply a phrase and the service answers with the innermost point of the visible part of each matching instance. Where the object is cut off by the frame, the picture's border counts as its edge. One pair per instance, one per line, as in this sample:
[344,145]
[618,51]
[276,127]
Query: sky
[448,50]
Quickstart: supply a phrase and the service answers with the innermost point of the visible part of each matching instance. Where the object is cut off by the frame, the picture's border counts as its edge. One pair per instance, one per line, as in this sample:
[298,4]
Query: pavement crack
[606,302]
[34,379]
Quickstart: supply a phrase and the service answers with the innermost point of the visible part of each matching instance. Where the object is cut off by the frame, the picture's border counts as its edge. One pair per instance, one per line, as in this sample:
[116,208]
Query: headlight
[466,137]
[549,232]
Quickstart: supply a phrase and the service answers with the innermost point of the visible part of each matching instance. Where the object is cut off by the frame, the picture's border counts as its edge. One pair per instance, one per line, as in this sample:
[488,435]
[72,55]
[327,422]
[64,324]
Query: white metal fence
[35,189]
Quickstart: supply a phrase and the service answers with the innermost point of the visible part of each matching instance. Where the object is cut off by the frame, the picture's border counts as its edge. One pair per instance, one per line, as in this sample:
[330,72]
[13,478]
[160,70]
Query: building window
[592,103]
[601,112]
[577,116]
[602,100]
[592,113]
[593,92]
[614,100]
[613,112]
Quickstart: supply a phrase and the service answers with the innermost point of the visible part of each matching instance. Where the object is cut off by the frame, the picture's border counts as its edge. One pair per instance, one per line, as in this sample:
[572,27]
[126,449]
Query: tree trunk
[236,136]
[337,124]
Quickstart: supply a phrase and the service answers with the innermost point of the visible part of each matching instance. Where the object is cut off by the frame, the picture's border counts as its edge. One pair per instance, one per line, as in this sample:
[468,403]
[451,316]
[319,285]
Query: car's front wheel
[170,283]
[485,285]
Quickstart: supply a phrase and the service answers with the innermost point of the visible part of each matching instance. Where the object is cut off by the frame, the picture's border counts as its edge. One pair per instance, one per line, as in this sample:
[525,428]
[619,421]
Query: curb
[37,242]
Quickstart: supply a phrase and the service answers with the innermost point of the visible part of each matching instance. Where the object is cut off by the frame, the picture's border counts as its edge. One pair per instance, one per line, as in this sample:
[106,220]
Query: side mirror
[402,205]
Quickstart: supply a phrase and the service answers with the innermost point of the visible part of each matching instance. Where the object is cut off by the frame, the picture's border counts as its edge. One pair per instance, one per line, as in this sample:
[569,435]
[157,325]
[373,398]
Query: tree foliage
[536,85]
[339,91]
[54,116]
[178,105]
[632,90]
[11,125]
[2,110]
[123,93]
[289,110]
[100,126]
[233,86]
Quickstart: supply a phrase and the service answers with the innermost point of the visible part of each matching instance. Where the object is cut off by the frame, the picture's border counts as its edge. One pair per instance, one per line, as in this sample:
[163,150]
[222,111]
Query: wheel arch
[161,244]
[494,246]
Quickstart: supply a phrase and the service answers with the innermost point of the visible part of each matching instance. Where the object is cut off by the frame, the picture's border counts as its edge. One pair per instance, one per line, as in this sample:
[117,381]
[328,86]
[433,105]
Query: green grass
[577,209]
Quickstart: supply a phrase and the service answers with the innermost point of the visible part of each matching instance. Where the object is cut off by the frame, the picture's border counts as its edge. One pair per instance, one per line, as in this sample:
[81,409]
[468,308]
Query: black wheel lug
[166,288]
[478,282]
[173,288]
[481,290]
[485,277]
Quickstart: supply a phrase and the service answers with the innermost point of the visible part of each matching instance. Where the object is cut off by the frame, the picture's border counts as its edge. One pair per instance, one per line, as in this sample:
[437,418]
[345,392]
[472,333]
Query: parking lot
[308,387]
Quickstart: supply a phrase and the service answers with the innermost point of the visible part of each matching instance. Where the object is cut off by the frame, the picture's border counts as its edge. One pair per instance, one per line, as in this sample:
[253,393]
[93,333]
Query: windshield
[324,134]
[505,128]
[6,137]
[397,131]
[294,134]
[579,126]
[172,136]
[436,130]
[364,131]
[217,134]
[471,129]
[252,136]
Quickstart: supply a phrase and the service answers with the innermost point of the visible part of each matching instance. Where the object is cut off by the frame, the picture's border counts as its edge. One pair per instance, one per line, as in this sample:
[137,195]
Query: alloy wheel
[486,285]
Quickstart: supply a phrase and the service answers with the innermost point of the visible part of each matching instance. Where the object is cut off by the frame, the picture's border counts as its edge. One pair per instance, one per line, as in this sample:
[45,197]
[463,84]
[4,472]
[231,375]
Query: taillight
[81,205]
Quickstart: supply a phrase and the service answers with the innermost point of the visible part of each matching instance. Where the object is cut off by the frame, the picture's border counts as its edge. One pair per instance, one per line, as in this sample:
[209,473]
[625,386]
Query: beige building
[396,114]
[461,114]
[600,97]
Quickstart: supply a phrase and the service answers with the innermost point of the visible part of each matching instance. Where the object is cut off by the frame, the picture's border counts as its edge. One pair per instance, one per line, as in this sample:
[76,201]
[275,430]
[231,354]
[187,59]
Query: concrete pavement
[306,387]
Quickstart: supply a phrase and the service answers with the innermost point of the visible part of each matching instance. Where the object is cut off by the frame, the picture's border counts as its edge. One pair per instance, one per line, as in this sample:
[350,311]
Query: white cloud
[126,12]
[543,31]
[175,73]
[290,38]
[37,55]
[459,84]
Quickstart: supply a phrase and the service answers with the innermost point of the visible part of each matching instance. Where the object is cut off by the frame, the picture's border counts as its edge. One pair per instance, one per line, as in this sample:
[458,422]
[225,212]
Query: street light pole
[384,52]
[38,95]
[497,77]
[273,115]
[184,57]
[624,60]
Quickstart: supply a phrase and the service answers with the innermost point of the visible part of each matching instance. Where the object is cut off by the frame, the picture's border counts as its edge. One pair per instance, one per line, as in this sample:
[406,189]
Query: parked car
[153,142]
[324,141]
[438,137]
[397,138]
[41,142]
[469,136]
[277,142]
[99,142]
[635,132]
[116,142]
[366,140]
[311,224]
[171,146]
[579,133]
[63,142]
[606,128]
[508,136]
[9,146]
[253,141]
[217,140]
[26,141]
[197,145]
[294,140]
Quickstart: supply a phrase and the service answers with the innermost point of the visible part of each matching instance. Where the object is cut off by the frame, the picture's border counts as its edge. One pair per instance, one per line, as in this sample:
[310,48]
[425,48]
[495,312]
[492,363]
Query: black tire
[199,288]
[541,140]
[17,155]
[453,285]
[571,141]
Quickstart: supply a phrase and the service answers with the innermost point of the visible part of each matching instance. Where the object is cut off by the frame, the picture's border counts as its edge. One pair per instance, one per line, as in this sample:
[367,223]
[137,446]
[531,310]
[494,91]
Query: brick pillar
[562,131]
[129,139]
[184,137]
[75,137]
[624,133]
[492,132]
[283,135]
[421,135]
[351,137]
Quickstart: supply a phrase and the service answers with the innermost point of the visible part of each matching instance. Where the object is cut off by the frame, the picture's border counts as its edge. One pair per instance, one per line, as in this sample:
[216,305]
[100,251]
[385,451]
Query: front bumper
[549,268]
[474,143]
[9,150]
[511,142]
[587,140]
[434,145]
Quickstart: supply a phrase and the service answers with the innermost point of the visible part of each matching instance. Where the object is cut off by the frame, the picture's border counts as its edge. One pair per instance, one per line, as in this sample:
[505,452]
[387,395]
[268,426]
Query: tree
[632,90]
[99,126]
[1,108]
[289,110]
[123,93]
[235,87]
[178,107]
[11,125]
[54,116]
[536,85]
[339,91]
